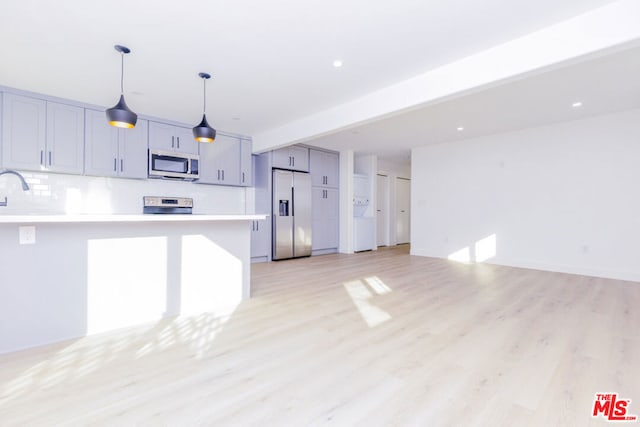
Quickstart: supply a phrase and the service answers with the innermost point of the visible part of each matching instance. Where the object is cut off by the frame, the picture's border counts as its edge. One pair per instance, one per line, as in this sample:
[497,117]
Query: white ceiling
[272,61]
[603,85]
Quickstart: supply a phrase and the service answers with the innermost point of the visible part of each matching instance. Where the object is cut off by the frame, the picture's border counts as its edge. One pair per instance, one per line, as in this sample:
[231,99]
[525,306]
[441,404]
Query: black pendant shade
[120,115]
[203,132]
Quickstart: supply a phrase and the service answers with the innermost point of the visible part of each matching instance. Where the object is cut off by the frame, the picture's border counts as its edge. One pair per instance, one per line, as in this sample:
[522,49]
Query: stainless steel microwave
[167,164]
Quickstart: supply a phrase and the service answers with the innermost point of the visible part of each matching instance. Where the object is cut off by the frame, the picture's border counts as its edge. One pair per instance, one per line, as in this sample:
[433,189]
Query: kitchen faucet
[25,186]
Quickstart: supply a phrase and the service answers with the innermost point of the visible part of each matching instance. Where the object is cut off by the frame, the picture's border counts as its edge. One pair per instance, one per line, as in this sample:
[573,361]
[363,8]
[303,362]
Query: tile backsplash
[71,194]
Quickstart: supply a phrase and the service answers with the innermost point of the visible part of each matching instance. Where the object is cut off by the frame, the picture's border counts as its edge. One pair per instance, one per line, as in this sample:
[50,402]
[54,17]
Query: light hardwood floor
[372,339]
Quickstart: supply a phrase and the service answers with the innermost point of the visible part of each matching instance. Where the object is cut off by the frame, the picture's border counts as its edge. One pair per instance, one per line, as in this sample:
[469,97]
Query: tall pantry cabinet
[324,169]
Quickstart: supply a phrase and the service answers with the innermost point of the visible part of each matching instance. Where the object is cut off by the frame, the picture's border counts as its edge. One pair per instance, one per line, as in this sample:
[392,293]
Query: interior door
[382,210]
[403,206]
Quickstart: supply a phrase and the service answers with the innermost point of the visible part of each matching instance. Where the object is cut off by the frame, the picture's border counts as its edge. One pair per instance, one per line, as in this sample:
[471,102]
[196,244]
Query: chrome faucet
[25,186]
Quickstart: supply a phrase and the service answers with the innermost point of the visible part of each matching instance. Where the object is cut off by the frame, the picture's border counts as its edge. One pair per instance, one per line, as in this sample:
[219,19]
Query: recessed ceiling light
[337,63]
[576,104]
[460,128]
[236,118]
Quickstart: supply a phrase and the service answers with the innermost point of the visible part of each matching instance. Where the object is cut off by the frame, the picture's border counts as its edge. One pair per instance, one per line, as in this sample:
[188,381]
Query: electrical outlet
[27,235]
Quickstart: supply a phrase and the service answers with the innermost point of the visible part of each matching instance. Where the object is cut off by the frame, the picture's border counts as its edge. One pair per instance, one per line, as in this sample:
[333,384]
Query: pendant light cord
[204,96]
[122,73]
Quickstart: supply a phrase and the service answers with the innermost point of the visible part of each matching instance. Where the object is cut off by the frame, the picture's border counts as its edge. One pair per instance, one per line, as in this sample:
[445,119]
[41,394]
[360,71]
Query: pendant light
[120,115]
[203,132]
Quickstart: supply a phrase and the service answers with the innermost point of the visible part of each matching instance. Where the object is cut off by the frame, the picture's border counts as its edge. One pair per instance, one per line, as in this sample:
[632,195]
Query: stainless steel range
[167,205]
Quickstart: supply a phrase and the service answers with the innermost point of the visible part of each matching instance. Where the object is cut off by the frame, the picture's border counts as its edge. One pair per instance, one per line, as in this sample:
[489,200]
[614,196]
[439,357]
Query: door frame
[384,239]
[397,209]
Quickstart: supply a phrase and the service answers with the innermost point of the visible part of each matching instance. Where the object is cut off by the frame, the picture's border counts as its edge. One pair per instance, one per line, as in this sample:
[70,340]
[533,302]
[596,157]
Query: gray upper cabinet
[24,132]
[220,161]
[293,158]
[42,135]
[246,169]
[112,151]
[166,137]
[65,138]
[324,167]
[1,128]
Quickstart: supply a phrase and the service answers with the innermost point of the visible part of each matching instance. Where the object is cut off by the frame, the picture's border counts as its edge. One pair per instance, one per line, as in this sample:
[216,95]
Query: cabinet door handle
[178,138]
[49,158]
[257,226]
[173,141]
[218,174]
[41,157]
[243,177]
[121,165]
[115,163]
[223,174]
[293,159]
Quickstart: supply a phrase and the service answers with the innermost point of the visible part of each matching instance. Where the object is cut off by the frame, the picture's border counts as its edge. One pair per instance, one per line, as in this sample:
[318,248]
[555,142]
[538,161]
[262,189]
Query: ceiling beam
[598,32]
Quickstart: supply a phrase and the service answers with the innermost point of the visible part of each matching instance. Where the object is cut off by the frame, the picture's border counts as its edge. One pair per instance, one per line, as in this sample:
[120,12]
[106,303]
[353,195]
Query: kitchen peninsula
[93,273]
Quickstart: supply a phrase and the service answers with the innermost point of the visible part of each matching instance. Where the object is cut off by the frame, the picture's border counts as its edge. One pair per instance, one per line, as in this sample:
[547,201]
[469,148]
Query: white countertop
[86,218]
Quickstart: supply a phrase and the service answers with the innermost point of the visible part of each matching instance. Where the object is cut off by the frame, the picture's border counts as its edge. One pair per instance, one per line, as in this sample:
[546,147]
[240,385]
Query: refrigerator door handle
[293,203]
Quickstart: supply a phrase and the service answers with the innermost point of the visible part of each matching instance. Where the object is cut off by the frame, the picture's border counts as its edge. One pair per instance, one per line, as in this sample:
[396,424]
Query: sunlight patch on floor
[360,295]
[378,286]
[193,335]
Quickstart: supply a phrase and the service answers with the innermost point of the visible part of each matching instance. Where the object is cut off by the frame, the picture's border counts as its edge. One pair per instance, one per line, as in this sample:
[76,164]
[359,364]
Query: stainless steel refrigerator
[291,214]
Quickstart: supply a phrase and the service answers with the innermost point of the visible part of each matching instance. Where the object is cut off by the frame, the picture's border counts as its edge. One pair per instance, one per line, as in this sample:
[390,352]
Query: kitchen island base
[102,273]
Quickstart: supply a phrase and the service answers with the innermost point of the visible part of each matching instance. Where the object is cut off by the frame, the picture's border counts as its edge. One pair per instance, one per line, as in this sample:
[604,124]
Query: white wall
[346,201]
[59,194]
[564,197]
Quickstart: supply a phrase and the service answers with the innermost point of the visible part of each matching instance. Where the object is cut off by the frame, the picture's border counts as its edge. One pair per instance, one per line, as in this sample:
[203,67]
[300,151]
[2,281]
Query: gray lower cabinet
[293,158]
[166,137]
[260,244]
[111,151]
[42,135]
[325,221]
[226,161]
